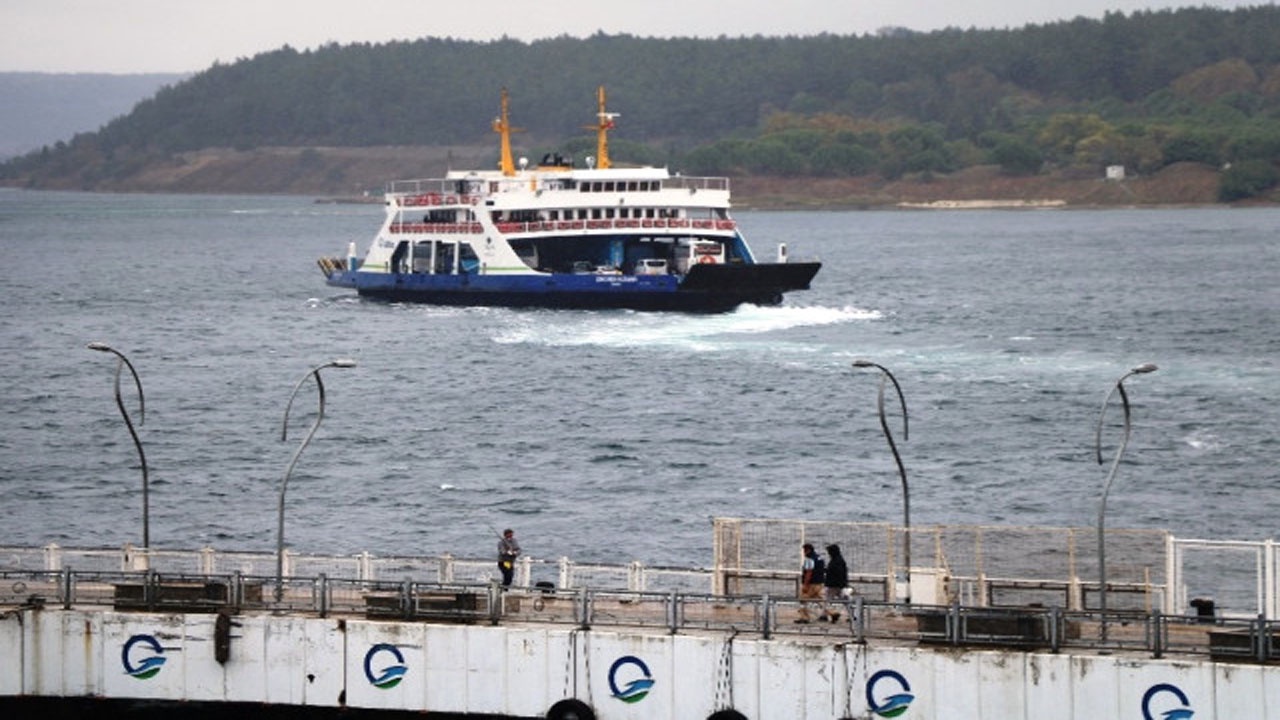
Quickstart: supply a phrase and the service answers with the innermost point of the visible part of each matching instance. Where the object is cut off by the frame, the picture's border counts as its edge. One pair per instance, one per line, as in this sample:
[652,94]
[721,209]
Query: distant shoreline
[358,176]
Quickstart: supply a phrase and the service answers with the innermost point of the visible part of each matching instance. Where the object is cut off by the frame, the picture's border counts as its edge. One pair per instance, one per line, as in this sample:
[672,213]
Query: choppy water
[619,435]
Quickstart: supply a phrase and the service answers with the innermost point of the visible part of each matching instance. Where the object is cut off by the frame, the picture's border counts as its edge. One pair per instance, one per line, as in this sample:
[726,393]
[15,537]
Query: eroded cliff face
[1179,184]
[354,173]
[337,171]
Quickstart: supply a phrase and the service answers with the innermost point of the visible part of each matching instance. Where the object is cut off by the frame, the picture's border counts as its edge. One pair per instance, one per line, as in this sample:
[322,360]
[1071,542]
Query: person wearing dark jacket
[835,582]
[508,551]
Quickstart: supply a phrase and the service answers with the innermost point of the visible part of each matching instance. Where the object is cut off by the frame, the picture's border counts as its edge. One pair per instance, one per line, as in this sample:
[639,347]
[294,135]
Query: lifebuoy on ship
[706,260]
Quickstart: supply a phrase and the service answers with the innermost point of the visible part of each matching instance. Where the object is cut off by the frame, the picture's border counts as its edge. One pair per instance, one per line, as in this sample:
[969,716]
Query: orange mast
[502,126]
[604,123]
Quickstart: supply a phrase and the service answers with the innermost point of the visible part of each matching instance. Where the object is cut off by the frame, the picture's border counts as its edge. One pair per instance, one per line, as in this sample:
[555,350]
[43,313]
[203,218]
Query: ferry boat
[561,236]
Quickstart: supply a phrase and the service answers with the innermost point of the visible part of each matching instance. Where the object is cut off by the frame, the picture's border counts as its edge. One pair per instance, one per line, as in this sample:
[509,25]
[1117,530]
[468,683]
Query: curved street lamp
[142,417]
[284,430]
[1106,488]
[886,377]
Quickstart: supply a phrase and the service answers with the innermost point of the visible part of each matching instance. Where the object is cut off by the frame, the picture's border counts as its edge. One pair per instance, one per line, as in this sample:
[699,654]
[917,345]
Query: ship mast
[604,123]
[502,126]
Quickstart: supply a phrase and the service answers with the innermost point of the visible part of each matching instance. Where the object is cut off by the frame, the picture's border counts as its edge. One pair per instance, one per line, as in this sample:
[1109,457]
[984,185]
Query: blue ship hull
[707,288]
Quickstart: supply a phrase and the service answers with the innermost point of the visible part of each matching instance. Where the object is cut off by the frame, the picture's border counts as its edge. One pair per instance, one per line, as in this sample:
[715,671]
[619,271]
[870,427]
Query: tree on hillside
[1143,89]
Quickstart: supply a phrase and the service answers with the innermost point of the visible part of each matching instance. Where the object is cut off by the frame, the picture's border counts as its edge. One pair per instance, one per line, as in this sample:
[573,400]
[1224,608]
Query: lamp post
[886,377]
[1106,488]
[142,417]
[284,430]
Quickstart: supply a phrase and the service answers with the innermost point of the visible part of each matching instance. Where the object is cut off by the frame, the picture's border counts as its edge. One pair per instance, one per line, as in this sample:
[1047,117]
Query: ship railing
[857,619]
[422,186]
[445,187]
[436,228]
[688,182]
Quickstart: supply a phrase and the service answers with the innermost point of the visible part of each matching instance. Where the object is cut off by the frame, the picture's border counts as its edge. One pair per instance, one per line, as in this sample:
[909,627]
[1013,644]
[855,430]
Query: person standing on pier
[836,582]
[508,551]
[812,572]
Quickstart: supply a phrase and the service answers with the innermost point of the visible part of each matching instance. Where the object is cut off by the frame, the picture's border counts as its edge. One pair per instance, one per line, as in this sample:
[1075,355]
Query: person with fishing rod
[508,551]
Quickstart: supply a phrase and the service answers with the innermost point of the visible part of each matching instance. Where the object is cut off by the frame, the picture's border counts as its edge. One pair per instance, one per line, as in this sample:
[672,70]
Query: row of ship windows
[620,186]
[608,213]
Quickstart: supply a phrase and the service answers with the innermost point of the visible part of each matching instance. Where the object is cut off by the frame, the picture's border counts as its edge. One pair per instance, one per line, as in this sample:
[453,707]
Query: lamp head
[1146,368]
[343,363]
[101,347]
[863,364]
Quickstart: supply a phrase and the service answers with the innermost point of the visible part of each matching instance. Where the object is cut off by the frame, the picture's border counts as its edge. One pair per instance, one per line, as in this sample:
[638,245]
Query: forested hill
[1143,90]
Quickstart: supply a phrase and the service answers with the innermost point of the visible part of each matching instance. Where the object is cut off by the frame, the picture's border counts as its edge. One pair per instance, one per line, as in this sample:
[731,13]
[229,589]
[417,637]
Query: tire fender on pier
[571,709]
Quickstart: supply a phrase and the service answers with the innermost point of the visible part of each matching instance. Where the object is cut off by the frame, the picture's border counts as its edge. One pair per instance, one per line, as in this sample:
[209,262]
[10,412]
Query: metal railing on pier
[856,619]
[1010,566]
[975,566]
[364,567]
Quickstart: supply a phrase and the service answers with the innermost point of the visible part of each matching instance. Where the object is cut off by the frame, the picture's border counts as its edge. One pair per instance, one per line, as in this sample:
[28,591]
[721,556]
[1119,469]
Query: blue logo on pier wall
[637,688]
[148,664]
[1181,713]
[389,676]
[896,703]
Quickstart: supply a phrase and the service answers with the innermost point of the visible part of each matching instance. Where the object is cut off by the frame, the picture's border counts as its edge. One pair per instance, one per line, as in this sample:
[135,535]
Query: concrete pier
[524,670]
[218,635]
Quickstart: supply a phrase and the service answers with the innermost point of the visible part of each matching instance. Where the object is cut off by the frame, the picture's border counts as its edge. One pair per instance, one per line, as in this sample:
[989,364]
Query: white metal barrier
[987,566]
[976,566]
[563,572]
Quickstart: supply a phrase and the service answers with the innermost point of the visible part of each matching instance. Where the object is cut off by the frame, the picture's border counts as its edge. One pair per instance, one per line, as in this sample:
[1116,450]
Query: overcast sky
[131,36]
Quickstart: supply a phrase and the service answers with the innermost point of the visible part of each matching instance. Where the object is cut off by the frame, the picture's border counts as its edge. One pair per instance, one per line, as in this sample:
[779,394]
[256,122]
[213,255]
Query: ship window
[444,258]
[422,257]
[469,262]
[595,213]
[608,213]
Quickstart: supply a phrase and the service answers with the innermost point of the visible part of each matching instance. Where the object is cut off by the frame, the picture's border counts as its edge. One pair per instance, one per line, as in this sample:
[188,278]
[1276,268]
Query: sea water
[613,435]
